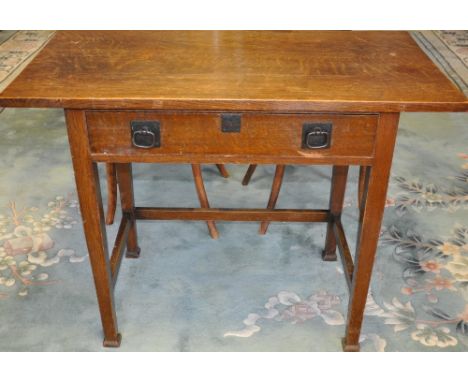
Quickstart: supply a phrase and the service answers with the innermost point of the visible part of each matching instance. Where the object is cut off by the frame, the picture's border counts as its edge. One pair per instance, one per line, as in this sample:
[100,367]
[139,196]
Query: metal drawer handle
[317,139]
[144,139]
[146,134]
[316,135]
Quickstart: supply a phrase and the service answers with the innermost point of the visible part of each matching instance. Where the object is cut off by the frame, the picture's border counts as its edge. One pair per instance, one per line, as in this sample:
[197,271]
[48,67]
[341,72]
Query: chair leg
[202,197]
[222,170]
[111,192]
[249,174]
[275,189]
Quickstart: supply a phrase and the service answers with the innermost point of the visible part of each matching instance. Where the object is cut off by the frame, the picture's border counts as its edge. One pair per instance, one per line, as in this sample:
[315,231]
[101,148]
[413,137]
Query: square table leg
[89,195]
[337,194]
[125,180]
[374,196]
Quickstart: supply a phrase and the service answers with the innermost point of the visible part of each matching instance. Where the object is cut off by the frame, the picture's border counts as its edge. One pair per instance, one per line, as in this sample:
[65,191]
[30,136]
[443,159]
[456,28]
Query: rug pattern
[17,49]
[449,50]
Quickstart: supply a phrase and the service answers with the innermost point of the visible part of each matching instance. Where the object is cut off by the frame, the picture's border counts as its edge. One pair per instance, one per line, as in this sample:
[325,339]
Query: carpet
[242,292]
[17,49]
[449,50]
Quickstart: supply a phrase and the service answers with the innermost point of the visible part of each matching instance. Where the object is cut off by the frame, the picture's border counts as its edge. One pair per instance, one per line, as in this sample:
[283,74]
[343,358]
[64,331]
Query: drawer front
[239,138]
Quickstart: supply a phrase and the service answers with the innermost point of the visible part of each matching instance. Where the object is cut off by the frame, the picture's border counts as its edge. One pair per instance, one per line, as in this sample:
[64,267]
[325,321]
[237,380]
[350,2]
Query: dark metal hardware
[230,123]
[316,135]
[146,134]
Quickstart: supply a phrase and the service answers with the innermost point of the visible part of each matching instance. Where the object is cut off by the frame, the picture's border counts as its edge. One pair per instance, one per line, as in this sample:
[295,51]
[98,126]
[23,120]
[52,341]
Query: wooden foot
[135,254]
[329,256]
[203,198]
[249,174]
[350,347]
[111,193]
[112,343]
[275,190]
[222,170]
[337,193]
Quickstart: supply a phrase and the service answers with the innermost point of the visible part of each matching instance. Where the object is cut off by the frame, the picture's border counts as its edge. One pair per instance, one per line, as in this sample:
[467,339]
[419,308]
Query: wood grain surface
[234,70]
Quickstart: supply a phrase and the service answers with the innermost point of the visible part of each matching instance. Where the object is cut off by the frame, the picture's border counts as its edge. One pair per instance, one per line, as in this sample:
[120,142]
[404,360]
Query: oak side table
[281,97]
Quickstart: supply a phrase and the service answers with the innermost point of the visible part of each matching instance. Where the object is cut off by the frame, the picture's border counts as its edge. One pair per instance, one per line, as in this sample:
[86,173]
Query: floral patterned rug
[242,292]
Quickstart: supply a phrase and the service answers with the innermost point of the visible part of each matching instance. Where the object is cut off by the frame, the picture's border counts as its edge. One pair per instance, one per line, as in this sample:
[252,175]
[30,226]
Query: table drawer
[237,138]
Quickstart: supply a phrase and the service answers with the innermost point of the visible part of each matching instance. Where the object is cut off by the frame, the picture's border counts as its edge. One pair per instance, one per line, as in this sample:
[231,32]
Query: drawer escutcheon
[230,123]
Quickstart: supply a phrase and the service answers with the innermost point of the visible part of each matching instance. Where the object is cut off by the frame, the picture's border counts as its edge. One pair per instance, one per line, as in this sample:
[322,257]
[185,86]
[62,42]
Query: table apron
[261,138]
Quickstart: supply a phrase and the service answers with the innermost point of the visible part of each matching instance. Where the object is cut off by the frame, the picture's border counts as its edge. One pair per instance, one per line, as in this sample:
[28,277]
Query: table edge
[236,105]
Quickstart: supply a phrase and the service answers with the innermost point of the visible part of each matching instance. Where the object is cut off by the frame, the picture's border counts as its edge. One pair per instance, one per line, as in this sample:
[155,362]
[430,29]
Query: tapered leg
[369,226]
[89,195]
[249,174]
[125,180]
[111,192]
[222,170]
[275,190]
[337,194]
[203,198]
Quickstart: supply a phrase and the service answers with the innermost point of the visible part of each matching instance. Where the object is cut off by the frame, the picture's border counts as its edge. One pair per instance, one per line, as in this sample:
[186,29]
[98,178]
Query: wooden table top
[231,70]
